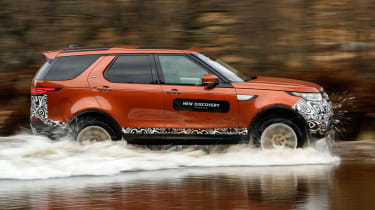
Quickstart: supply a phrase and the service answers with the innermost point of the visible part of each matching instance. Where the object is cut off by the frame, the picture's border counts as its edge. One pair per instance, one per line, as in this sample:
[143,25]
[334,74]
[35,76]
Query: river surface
[37,173]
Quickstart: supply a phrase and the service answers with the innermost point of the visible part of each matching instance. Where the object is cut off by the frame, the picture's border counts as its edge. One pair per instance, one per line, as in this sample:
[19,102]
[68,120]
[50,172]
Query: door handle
[103,88]
[173,92]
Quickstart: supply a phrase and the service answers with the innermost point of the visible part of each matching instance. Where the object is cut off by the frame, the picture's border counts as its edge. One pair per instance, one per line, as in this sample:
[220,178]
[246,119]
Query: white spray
[34,157]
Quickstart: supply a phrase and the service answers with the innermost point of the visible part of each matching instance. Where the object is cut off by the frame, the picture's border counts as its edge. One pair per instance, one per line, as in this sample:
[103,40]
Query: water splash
[342,103]
[34,157]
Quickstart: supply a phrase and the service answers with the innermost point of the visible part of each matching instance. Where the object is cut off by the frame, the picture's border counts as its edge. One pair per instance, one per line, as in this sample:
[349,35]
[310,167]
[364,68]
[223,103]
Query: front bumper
[318,115]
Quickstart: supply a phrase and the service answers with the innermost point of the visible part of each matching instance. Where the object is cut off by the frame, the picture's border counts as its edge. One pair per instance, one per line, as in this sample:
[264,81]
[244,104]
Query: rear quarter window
[65,68]
[43,71]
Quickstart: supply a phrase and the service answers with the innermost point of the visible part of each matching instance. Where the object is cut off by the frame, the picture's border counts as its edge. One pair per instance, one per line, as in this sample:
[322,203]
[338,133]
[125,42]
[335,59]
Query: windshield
[225,69]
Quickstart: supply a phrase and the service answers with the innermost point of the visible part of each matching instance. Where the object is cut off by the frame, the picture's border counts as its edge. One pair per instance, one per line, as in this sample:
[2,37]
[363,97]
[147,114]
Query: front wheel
[278,133]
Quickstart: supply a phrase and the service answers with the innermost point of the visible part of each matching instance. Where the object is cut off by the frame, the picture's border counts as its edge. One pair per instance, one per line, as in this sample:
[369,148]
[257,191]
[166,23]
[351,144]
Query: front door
[190,107]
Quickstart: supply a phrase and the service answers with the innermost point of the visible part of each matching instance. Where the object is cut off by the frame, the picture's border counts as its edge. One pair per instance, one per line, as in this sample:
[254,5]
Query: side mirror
[210,80]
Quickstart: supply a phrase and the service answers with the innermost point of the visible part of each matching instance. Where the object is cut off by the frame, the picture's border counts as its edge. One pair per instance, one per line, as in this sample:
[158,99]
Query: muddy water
[38,173]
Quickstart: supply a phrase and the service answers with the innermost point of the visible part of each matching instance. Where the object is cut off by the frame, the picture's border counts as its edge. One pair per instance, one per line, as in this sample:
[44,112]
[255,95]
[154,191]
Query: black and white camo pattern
[39,109]
[316,113]
[184,131]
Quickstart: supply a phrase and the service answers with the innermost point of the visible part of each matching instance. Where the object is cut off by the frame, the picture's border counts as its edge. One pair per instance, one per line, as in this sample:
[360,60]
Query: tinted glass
[130,69]
[43,71]
[229,72]
[67,68]
[179,69]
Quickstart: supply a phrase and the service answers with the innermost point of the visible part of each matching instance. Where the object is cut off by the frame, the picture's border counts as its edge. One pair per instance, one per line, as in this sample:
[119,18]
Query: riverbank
[354,150]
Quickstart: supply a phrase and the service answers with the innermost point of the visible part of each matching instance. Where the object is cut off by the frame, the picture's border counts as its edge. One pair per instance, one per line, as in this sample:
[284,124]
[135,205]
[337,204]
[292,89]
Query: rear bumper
[39,128]
[51,131]
[318,115]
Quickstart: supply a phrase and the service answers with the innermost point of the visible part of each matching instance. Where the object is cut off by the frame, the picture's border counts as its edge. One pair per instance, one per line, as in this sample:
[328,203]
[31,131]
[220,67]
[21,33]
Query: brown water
[350,185]
[37,173]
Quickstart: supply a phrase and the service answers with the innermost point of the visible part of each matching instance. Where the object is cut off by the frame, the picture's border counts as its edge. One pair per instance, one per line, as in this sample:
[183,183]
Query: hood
[273,83]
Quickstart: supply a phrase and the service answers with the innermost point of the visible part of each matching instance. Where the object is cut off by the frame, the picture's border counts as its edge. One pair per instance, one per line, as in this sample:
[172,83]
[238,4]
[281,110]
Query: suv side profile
[158,96]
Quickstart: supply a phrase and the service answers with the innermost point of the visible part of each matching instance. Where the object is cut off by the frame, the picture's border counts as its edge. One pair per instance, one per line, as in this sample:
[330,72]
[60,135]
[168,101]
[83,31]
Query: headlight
[308,96]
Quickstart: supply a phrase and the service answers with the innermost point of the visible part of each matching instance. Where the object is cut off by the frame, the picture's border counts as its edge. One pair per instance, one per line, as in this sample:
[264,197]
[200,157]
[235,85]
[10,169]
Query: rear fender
[99,114]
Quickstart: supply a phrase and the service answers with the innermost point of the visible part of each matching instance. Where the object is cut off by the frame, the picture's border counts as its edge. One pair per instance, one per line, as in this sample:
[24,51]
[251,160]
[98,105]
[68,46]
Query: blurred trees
[330,42]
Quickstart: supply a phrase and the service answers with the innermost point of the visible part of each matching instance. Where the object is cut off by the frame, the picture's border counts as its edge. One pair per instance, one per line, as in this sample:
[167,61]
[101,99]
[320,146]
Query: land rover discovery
[150,96]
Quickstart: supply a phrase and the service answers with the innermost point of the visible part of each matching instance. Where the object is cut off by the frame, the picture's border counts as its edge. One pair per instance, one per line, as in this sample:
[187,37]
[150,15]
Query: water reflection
[278,187]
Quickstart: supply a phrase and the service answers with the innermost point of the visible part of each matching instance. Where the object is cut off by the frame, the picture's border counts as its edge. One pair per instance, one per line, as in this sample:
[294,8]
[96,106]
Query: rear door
[190,108]
[128,89]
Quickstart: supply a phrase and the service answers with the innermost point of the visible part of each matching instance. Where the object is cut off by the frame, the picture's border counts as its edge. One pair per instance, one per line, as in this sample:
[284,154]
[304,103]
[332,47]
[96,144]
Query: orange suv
[157,96]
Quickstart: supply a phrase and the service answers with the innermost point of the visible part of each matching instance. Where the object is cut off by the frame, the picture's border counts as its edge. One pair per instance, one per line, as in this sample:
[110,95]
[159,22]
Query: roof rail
[125,47]
[82,50]
[195,50]
[72,46]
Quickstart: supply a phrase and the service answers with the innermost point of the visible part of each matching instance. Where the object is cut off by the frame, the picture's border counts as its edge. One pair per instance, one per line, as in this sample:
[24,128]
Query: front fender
[265,99]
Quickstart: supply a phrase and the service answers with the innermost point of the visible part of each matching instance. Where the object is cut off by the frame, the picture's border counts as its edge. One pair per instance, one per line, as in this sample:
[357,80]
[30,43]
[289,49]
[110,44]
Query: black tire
[84,122]
[261,125]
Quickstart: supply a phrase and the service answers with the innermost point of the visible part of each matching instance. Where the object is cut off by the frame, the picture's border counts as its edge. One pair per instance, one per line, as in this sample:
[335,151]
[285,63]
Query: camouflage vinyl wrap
[39,109]
[184,131]
[317,114]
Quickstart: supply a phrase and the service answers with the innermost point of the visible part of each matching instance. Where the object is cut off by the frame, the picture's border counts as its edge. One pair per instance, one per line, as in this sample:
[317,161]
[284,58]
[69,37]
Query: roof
[114,50]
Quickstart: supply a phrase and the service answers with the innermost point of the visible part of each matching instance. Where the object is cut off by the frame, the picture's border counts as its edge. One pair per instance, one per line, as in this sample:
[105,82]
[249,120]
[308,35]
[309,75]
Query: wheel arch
[100,114]
[280,110]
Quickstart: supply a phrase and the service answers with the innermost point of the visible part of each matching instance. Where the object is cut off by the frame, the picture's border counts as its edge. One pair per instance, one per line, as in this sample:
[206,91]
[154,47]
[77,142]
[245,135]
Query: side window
[66,68]
[178,69]
[130,69]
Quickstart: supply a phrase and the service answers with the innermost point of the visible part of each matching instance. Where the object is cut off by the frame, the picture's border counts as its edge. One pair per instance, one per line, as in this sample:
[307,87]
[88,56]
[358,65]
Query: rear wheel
[93,133]
[278,133]
[91,129]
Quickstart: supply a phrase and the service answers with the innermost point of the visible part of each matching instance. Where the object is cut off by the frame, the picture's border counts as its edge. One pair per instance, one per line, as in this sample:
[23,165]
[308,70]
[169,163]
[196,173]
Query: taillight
[36,119]
[42,90]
